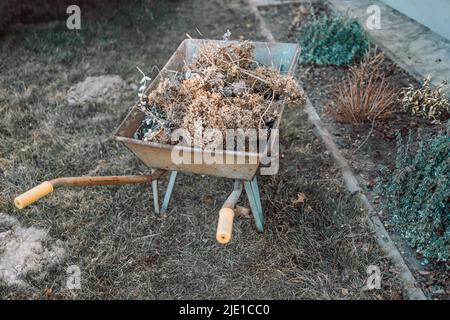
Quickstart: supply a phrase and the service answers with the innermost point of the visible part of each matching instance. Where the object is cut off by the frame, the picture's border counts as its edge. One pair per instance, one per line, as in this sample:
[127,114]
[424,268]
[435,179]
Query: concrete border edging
[382,237]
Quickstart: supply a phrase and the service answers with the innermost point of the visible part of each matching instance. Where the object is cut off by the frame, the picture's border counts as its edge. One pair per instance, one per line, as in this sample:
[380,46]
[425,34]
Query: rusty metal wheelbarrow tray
[282,56]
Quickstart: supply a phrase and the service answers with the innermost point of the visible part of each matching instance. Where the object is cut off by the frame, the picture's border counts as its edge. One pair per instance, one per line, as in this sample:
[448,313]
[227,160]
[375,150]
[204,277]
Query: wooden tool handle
[34,194]
[225,225]
[105,180]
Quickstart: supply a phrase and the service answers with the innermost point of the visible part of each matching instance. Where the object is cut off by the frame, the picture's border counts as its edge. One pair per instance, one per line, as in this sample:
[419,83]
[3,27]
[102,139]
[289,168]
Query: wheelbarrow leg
[155,196]
[254,199]
[168,194]
[257,197]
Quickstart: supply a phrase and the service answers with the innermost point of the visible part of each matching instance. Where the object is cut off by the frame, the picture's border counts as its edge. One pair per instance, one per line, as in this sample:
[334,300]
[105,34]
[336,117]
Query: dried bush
[223,89]
[416,194]
[365,94]
[425,101]
[332,40]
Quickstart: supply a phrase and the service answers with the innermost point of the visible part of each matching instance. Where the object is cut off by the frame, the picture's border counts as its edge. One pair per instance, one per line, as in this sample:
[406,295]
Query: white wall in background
[435,14]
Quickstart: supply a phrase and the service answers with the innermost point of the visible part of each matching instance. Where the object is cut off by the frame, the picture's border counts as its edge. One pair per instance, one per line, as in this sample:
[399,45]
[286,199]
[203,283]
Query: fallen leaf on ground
[242,212]
[208,200]
[48,293]
[301,198]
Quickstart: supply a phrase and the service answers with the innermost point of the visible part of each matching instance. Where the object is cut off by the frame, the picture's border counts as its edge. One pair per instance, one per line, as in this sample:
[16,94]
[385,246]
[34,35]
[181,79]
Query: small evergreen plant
[332,40]
[416,195]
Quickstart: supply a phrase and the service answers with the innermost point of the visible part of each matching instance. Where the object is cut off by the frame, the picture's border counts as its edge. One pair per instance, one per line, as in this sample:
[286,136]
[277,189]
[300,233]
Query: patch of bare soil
[24,254]
[364,146]
[99,89]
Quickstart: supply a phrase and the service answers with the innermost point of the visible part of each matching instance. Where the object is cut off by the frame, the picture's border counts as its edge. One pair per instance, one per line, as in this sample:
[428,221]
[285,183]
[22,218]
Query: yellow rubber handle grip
[32,195]
[225,225]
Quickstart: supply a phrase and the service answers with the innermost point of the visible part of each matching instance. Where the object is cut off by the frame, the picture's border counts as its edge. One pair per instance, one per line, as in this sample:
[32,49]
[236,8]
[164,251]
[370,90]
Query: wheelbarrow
[157,156]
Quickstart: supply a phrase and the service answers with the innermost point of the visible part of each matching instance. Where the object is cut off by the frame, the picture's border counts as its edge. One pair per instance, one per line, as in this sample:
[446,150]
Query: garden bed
[365,146]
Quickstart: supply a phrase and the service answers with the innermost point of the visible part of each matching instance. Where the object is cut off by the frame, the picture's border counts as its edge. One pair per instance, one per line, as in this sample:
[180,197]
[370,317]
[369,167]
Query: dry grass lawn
[319,249]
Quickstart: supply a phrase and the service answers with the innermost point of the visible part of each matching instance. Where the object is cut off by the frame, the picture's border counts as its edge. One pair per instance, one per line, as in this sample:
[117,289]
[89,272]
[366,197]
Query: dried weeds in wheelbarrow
[224,88]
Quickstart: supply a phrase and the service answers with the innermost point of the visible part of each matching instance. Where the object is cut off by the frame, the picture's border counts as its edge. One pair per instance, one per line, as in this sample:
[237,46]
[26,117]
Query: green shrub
[416,195]
[332,41]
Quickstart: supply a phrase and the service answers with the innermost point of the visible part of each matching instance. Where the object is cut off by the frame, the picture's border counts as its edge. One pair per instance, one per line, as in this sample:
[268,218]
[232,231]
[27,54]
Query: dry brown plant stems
[365,95]
[224,88]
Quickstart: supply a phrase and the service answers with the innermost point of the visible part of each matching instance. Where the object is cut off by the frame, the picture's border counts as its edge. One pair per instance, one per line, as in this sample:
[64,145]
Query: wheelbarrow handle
[34,194]
[226,215]
[46,187]
[225,225]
